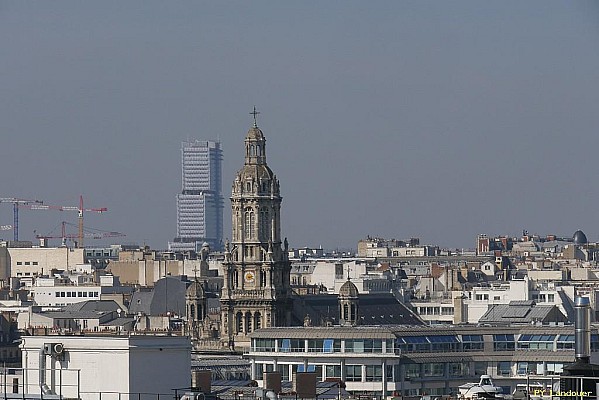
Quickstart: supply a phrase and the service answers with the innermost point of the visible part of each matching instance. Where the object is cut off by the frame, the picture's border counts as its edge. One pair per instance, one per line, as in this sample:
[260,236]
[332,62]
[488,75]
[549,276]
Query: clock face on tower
[249,277]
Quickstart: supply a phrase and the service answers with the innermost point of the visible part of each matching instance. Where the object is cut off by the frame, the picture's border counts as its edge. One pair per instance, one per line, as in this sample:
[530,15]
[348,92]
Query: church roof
[195,290]
[254,134]
[256,171]
[375,309]
[348,289]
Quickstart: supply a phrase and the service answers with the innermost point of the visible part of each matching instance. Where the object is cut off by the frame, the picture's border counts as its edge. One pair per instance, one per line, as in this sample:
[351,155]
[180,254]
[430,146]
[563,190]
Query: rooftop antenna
[255,113]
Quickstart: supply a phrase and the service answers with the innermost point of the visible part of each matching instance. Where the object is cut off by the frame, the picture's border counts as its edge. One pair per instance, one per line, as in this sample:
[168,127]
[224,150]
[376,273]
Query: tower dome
[254,133]
[348,303]
[348,290]
[579,237]
[195,290]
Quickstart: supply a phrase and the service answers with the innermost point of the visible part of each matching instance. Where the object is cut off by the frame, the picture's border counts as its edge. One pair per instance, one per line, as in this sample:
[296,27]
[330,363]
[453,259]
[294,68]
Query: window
[310,368]
[434,369]
[35,263]
[522,368]
[412,370]
[565,342]
[291,345]
[413,343]
[333,371]
[374,373]
[480,367]
[458,369]
[554,368]
[324,345]
[472,342]
[259,371]
[389,373]
[536,342]
[264,345]
[364,346]
[353,373]
[504,368]
[284,370]
[503,342]
[443,342]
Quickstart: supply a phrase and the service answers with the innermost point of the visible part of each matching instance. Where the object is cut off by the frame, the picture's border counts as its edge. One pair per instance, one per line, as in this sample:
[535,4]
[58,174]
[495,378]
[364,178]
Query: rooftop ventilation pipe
[582,329]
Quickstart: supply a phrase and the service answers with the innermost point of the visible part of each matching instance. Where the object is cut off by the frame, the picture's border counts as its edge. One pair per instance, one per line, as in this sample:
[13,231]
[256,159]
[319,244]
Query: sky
[431,119]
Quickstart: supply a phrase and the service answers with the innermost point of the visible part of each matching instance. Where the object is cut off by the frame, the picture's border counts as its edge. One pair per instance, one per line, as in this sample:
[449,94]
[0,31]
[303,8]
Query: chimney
[582,329]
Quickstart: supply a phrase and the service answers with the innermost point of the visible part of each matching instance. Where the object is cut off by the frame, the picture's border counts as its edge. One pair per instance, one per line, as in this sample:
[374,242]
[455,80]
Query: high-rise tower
[256,269]
[200,203]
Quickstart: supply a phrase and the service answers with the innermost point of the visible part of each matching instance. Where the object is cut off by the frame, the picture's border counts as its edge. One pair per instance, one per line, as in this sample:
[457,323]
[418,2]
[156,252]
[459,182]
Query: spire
[255,144]
[255,113]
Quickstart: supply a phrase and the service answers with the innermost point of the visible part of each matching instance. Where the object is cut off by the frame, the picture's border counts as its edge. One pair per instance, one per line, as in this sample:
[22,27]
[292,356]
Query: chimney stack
[582,329]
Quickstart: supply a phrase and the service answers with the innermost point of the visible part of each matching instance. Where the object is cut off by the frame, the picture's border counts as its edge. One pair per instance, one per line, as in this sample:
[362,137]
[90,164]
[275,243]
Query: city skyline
[440,121]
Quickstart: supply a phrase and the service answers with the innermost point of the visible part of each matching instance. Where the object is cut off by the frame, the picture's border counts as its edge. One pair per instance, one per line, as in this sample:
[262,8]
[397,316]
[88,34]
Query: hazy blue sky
[388,118]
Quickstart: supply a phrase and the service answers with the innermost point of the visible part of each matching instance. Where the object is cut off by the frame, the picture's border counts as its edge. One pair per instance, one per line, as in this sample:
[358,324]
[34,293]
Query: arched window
[248,322]
[249,224]
[257,320]
[239,322]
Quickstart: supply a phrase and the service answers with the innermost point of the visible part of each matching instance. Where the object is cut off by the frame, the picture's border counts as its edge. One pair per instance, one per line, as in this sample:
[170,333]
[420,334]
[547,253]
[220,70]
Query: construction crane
[88,234]
[80,210]
[16,203]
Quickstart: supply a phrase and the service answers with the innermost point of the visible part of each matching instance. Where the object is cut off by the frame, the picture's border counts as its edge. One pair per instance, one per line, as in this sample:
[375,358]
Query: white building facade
[134,367]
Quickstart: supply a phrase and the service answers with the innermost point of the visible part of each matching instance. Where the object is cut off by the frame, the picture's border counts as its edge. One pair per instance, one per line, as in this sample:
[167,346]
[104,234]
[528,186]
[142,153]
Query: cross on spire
[255,113]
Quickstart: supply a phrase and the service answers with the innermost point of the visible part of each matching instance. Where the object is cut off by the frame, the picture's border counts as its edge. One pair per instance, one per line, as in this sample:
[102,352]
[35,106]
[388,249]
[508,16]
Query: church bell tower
[256,290]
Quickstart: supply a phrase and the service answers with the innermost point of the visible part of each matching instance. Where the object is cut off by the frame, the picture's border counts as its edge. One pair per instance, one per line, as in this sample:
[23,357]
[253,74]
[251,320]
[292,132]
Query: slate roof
[93,305]
[168,295]
[75,314]
[122,321]
[522,312]
[373,309]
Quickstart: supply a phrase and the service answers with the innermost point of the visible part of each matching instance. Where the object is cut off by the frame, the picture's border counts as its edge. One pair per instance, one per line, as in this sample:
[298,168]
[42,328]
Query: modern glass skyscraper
[200,203]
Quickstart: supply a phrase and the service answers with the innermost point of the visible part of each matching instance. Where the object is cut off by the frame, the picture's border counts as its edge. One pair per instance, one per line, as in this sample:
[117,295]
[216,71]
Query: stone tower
[256,290]
[195,306]
[348,304]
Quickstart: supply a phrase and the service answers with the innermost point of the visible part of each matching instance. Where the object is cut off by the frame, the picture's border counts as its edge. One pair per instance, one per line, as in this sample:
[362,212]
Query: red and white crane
[80,210]
[88,234]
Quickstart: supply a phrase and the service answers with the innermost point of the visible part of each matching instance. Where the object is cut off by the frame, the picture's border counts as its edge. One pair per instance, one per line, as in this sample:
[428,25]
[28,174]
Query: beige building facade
[35,261]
